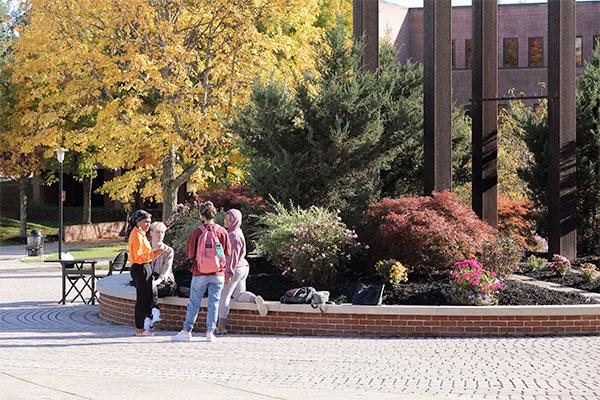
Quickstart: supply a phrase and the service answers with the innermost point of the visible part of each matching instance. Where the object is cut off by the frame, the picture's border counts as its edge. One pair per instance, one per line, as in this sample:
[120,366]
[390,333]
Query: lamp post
[60,156]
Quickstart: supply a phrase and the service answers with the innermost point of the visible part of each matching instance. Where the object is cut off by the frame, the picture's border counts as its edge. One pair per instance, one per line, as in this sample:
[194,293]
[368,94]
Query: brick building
[522,43]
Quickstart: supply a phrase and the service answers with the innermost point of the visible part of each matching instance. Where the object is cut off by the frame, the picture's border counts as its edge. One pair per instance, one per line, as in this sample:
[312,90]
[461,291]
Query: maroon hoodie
[192,244]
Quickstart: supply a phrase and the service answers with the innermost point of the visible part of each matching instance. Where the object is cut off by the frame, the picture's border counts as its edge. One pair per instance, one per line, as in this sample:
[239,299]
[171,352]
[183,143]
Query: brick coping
[116,286]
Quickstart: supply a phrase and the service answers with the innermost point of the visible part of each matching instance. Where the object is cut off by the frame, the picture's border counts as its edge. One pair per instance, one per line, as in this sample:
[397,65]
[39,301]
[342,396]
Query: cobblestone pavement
[66,352]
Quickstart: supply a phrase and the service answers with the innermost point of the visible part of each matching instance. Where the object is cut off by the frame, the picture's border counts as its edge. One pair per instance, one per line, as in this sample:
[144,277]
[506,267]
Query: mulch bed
[268,282]
[572,279]
[512,293]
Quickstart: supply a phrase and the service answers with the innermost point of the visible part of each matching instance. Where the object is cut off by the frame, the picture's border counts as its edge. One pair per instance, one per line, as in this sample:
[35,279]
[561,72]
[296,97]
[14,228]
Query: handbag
[368,295]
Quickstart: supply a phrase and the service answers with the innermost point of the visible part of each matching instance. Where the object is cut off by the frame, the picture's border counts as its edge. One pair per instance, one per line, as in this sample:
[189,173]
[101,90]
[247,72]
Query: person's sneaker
[182,336]
[262,307]
[155,315]
[221,327]
[148,326]
[210,336]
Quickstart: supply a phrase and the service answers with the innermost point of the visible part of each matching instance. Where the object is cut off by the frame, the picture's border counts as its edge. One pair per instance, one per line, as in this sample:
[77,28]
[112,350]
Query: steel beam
[562,186]
[484,85]
[437,102]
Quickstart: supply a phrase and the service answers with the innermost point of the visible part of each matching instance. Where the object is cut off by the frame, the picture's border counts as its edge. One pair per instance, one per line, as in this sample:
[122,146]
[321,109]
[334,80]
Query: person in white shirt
[162,266]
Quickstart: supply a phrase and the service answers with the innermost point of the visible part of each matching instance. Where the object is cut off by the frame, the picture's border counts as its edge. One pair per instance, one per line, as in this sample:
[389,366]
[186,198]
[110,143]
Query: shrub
[541,244]
[312,245]
[501,256]
[535,132]
[534,263]
[392,271]
[180,260]
[426,234]
[471,284]
[186,217]
[343,137]
[589,272]
[560,265]
[516,220]
[181,224]
[241,198]
[234,197]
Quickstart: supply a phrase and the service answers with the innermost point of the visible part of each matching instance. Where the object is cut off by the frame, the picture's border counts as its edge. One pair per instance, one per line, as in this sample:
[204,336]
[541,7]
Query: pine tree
[322,142]
[343,138]
[536,132]
[588,156]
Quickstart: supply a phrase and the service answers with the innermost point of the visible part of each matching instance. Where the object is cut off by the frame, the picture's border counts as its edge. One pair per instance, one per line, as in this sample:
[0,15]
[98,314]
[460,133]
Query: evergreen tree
[343,138]
[536,132]
[588,156]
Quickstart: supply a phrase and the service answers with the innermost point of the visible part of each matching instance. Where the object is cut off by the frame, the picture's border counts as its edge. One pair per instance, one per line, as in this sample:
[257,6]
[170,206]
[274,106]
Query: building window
[536,52]
[578,56]
[468,53]
[596,42]
[453,54]
[511,52]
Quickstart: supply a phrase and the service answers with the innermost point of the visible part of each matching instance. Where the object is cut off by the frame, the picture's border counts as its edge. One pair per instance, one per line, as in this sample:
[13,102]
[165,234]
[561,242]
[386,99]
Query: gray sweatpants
[236,290]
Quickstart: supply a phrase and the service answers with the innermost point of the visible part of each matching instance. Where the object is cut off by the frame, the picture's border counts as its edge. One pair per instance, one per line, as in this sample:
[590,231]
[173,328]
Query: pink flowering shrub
[471,284]
[311,245]
[560,265]
[427,234]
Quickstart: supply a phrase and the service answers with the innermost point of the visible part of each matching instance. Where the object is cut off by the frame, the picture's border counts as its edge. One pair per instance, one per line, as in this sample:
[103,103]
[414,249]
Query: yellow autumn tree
[14,163]
[146,86]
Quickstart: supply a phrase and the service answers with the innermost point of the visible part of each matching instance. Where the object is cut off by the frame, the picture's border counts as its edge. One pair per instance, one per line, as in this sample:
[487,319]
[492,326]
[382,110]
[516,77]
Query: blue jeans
[214,283]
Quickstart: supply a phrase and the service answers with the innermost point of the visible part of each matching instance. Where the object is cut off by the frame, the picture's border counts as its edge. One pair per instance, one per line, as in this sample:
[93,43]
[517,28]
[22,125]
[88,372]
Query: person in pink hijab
[236,272]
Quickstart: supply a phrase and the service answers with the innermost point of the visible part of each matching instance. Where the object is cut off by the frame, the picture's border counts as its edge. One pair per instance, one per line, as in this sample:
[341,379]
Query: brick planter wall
[120,310]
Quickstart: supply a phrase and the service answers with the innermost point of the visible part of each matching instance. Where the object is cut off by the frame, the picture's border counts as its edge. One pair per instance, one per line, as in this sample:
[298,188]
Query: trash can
[35,243]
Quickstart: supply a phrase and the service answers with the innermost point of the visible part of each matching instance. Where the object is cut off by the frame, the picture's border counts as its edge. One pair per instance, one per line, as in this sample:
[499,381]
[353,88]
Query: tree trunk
[171,183]
[87,200]
[168,188]
[23,210]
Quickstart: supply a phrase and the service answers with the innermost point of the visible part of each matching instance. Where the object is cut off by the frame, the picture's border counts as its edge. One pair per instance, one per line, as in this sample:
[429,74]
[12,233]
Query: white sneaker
[155,315]
[262,307]
[182,336]
[148,326]
[210,336]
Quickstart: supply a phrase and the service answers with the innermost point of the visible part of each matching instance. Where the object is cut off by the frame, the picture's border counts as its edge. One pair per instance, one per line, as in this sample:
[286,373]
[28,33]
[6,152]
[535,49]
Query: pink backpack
[207,260]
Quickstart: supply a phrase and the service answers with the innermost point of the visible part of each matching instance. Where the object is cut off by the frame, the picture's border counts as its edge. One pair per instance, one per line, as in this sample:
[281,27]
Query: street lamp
[60,156]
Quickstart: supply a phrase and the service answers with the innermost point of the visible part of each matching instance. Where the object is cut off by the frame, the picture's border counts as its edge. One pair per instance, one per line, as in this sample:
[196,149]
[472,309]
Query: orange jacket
[140,250]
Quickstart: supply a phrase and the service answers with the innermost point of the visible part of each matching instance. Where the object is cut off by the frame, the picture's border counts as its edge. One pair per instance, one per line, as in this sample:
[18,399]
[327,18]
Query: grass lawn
[100,252]
[9,228]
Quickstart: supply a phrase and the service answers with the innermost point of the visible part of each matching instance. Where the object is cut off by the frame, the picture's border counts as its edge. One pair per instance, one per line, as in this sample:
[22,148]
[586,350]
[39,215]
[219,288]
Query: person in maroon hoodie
[208,245]
[236,272]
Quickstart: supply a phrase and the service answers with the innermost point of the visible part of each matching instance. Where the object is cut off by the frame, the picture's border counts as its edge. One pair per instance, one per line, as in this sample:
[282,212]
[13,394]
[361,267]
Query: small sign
[63,196]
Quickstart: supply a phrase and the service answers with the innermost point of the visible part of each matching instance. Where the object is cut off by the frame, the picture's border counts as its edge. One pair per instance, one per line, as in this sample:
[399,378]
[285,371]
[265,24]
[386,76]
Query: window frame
[579,64]
[504,52]
[529,57]
[468,63]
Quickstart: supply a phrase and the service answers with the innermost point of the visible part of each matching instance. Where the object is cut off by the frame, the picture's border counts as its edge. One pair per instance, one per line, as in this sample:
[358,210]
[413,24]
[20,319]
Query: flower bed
[117,304]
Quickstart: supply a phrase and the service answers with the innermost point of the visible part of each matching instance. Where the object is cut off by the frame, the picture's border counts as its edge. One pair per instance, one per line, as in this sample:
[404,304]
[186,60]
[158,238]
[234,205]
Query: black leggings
[146,296]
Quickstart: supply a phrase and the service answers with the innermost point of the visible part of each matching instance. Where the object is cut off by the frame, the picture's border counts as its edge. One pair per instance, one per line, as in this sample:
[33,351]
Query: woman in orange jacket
[141,255]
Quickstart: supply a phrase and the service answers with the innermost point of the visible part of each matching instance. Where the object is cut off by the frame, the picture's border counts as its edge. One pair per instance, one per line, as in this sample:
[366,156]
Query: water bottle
[220,252]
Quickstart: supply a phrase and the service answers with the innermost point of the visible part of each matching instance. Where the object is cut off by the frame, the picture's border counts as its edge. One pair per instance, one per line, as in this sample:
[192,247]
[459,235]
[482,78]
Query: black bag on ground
[301,295]
[368,295]
[166,289]
[183,291]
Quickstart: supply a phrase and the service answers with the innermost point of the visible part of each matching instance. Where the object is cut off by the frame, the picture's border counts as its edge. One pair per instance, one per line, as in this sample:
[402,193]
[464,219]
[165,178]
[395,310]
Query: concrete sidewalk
[67,352]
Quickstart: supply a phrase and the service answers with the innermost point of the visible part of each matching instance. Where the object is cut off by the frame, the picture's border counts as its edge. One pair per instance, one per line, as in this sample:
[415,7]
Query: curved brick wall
[117,302]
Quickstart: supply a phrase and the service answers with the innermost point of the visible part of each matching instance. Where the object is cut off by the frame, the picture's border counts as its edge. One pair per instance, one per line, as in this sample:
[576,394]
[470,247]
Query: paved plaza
[49,351]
